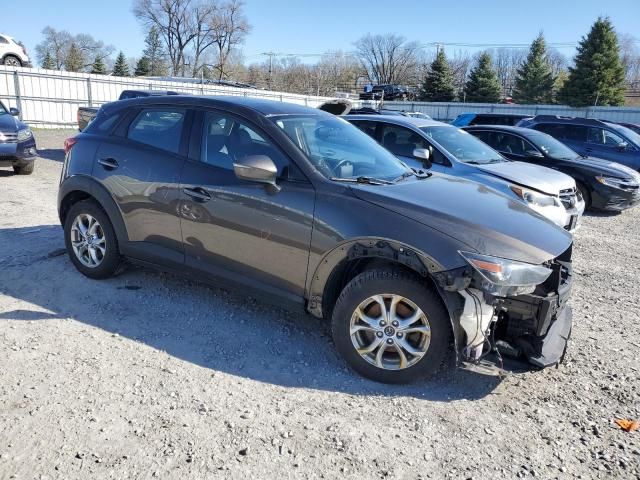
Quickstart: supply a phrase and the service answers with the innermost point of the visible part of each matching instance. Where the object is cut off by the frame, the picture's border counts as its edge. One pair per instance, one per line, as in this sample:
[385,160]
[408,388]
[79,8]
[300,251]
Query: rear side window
[159,128]
[104,123]
[3,40]
[577,133]
[367,127]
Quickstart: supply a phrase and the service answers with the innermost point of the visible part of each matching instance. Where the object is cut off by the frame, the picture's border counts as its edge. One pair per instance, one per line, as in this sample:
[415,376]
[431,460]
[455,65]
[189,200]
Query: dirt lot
[147,375]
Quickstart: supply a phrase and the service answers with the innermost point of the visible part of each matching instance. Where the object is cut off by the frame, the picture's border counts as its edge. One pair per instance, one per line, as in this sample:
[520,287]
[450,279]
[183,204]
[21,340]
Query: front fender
[357,248]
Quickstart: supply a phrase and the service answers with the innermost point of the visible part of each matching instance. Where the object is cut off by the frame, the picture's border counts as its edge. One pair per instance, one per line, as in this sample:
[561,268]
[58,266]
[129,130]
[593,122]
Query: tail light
[69,143]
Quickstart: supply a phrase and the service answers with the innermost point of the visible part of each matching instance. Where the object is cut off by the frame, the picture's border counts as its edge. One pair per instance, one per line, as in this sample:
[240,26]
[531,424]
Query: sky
[314,27]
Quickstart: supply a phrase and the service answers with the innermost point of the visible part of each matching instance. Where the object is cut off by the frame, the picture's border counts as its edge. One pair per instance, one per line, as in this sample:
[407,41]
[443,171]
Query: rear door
[241,230]
[140,165]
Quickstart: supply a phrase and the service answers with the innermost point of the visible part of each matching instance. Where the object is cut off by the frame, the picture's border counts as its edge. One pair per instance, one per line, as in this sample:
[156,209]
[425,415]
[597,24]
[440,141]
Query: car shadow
[55,154]
[601,213]
[210,327]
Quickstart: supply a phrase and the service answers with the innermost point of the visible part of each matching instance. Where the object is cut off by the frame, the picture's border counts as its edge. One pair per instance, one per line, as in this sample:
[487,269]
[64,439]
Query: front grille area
[568,197]
[8,137]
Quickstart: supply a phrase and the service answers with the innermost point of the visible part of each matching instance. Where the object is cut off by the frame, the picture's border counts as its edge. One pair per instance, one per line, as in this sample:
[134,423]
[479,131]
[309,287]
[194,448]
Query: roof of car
[262,106]
[504,128]
[519,115]
[398,120]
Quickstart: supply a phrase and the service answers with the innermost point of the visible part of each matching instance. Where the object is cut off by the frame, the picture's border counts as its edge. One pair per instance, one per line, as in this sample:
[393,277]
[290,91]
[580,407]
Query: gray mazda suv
[302,207]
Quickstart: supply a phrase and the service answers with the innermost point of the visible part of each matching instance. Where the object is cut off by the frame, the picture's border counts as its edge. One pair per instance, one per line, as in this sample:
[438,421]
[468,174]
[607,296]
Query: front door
[244,231]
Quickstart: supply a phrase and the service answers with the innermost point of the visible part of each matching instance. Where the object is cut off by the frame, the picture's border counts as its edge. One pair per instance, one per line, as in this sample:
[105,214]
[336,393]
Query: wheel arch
[344,262]
[9,54]
[78,188]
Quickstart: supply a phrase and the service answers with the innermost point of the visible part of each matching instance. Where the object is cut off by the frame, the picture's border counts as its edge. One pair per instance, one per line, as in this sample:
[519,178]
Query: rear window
[159,128]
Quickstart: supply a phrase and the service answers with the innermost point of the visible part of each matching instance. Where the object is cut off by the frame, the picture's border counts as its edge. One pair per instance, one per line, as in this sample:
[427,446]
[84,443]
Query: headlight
[617,182]
[534,198]
[24,134]
[503,277]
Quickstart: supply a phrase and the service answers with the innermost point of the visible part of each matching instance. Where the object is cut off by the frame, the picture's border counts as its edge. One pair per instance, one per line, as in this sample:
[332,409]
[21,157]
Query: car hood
[9,123]
[536,177]
[605,167]
[487,221]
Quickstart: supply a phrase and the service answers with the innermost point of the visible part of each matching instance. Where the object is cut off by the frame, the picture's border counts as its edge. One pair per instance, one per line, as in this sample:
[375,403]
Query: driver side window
[401,141]
[226,139]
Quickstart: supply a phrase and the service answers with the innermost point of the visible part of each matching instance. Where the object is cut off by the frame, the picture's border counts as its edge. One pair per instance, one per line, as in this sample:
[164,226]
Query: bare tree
[557,61]
[388,58]
[174,20]
[460,63]
[229,28]
[630,55]
[86,49]
[506,62]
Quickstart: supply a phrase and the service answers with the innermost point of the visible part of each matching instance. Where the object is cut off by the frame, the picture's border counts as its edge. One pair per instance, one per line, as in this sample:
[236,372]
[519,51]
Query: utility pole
[270,55]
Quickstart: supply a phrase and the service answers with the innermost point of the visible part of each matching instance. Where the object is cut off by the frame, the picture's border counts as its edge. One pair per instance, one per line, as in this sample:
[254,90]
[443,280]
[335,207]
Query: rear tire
[24,169]
[12,61]
[407,349]
[91,242]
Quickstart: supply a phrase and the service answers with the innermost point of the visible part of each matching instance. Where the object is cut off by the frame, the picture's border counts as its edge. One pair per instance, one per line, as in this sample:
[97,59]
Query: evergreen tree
[155,53]
[483,85]
[534,79]
[121,68]
[597,76]
[143,67]
[98,67]
[73,61]
[48,62]
[438,83]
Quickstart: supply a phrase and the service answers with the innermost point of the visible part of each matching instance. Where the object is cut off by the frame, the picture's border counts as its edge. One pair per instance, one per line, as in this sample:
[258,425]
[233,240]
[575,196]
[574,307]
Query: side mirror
[424,155]
[14,111]
[256,168]
[534,154]
[622,146]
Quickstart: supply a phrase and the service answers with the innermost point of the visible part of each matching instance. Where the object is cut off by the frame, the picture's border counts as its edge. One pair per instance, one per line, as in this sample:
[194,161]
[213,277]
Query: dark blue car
[591,138]
[17,145]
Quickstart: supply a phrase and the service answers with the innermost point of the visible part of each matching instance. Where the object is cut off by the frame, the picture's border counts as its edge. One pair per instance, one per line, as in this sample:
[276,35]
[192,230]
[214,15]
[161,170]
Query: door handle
[198,194]
[108,163]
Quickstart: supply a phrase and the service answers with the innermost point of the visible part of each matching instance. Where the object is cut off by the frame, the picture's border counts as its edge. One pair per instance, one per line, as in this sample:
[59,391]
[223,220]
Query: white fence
[50,98]
[450,110]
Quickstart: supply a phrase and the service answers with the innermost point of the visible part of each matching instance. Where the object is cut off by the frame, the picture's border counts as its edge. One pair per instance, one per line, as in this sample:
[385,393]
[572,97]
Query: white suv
[12,53]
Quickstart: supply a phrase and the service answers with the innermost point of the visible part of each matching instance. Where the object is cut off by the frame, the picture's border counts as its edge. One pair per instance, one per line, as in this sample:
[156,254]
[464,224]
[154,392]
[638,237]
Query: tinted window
[3,40]
[577,133]
[601,136]
[367,127]
[401,141]
[160,128]
[504,142]
[225,139]
[104,123]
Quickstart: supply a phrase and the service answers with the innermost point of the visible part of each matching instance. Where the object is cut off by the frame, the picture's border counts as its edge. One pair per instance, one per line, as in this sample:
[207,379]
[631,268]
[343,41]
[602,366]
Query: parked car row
[304,207]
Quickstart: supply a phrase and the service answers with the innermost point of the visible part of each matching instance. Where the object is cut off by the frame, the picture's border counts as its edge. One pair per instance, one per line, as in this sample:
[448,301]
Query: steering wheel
[342,162]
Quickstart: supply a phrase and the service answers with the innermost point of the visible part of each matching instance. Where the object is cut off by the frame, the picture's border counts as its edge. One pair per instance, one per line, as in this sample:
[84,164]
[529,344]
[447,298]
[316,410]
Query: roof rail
[580,120]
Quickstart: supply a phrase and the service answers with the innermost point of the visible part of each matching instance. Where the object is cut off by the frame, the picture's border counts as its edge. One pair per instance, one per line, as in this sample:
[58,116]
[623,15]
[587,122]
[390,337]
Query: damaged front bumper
[534,327]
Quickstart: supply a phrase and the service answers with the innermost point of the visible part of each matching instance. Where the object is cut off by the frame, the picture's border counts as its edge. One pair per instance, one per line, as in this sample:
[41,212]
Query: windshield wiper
[367,180]
[419,174]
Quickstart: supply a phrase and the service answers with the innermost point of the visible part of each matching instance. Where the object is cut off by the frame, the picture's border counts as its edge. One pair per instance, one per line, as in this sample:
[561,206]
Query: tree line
[203,39]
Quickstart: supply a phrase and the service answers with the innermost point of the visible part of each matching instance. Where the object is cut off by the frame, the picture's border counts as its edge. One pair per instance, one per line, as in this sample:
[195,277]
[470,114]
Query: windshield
[339,150]
[462,145]
[552,147]
[627,132]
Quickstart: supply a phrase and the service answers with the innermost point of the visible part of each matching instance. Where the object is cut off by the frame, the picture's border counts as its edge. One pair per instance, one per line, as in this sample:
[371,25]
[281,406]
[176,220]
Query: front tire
[24,169]
[12,61]
[91,241]
[586,195]
[390,327]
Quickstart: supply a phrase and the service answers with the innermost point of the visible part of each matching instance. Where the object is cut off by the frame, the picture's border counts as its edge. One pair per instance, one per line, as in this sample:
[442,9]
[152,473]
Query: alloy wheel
[390,331]
[12,62]
[88,240]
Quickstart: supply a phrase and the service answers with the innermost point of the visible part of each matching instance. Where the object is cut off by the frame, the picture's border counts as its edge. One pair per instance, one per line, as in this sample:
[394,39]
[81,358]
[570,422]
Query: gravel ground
[147,375]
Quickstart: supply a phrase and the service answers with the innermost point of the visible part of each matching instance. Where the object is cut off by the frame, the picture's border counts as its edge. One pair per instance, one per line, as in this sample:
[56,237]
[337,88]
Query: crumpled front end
[529,325]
